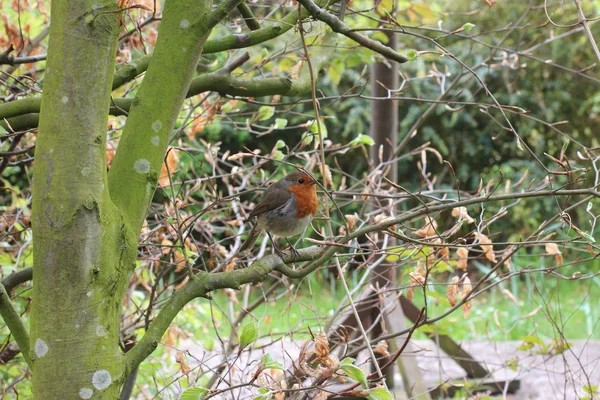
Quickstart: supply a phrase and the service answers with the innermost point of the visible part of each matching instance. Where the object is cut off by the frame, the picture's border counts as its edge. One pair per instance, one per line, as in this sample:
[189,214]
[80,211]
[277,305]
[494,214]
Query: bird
[285,210]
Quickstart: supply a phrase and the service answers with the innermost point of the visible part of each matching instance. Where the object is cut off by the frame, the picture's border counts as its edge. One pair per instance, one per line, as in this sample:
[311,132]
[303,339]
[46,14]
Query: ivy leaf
[269,362]
[264,113]
[362,139]
[354,373]
[249,334]
[194,394]
[379,393]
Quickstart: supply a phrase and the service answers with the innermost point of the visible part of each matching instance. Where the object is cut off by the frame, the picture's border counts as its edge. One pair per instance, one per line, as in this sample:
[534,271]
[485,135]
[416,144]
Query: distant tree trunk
[384,131]
[384,122]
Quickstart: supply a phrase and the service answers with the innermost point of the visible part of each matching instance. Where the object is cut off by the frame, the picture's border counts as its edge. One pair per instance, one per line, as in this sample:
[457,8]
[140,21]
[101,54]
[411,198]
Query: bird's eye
[301,181]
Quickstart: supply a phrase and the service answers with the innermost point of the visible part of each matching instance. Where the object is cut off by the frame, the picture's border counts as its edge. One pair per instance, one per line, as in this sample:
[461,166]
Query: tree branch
[134,171]
[15,324]
[249,18]
[16,278]
[338,26]
[203,283]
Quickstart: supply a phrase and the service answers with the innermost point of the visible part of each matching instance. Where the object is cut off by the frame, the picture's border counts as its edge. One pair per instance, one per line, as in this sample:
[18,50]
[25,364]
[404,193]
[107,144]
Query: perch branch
[315,256]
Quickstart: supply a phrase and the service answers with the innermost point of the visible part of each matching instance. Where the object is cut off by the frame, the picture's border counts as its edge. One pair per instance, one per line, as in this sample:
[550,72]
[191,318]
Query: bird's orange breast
[306,199]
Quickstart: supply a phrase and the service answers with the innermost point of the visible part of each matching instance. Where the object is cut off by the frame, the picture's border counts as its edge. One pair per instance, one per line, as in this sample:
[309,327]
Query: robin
[285,210]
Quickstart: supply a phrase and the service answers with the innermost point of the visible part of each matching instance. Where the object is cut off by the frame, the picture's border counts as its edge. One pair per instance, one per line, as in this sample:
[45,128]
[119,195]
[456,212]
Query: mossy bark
[85,223]
[81,248]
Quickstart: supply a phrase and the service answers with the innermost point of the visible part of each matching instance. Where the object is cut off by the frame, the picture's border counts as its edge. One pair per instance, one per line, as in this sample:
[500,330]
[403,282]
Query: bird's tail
[252,236]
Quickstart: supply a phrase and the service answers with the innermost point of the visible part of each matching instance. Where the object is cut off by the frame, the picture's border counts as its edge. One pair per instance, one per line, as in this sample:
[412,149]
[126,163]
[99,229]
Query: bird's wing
[272,200]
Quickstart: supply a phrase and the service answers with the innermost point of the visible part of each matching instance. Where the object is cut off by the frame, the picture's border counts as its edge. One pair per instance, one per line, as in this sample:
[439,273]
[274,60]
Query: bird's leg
[293,250]
[277,251]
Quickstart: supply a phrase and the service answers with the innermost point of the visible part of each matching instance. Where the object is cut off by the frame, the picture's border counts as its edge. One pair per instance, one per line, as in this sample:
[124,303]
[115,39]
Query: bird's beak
[319,181]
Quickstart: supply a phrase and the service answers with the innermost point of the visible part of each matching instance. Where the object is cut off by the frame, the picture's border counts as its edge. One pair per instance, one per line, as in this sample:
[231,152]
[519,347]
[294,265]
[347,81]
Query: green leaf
[412,55]
[280,144]
[269,362]
[362,139]
[280,123]
[265,52]
[278,155]
[354,373]
[392,258]
[264,394]
[314,128]
[264,113]
[592,389]
[194,394]
[249,333]
[347,360]
[468,26]
[307,138]
[380,393]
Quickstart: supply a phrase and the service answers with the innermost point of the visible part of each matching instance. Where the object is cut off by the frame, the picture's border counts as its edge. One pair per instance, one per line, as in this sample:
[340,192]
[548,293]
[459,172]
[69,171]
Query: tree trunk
[85,237]
[80,245]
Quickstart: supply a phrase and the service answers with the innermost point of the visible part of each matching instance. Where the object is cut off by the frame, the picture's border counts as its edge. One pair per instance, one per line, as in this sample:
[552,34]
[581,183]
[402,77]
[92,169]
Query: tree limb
[135,169]
[249,18]
[16,278]
[15,323]
[202,284]
[338,26]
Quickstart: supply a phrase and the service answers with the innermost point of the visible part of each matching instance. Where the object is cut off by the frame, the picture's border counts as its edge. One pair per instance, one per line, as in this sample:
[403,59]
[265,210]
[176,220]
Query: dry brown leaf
[351,220]
[429,229]
[321,346]
[463,258]
[461,213]
[222,250]
[417,275]
[183,366]
[491,3]
[382,348]
[171,162]
[452,291]
[365,192]
[444,253]
[231,265]
[326,174]
[487,246]
[466,309]
[466,289]
[552,249]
